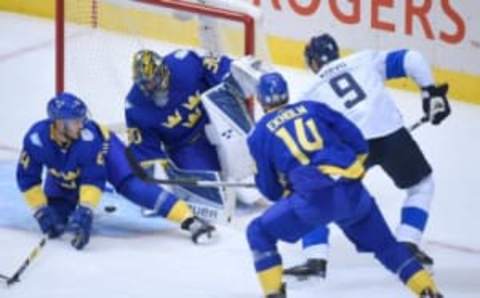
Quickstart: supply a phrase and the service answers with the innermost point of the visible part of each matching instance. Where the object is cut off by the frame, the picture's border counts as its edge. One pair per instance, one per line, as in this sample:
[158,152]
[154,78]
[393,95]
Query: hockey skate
[428,293]
[421,256]
[311,268]
[201,231]
[281,294]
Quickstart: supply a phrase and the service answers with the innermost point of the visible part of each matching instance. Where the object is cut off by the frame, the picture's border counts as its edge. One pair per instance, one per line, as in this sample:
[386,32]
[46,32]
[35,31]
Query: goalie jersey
[355,87]
[182,119]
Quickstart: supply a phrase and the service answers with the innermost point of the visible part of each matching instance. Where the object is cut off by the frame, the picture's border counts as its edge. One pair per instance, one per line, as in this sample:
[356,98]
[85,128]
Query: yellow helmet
[149,71]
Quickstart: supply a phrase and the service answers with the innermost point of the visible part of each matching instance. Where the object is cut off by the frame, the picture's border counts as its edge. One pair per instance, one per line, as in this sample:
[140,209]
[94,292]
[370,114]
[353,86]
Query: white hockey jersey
[354,86]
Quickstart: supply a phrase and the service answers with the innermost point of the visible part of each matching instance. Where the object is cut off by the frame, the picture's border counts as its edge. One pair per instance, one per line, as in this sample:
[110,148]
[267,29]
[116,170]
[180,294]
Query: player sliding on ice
[310,163]
[80,156]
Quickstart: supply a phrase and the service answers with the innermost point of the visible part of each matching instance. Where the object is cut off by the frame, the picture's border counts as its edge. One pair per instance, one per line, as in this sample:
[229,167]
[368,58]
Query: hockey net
[96,40]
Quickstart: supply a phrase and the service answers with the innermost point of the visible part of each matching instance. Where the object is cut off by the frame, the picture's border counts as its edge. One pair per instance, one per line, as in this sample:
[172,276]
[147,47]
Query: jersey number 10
[300,144]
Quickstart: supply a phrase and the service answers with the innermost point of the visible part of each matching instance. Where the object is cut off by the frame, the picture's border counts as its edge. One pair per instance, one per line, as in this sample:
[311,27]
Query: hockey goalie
[202,137]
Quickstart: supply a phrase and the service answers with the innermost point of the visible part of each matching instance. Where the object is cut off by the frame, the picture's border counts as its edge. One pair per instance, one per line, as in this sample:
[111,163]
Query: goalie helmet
[272,90]
[320,50]
[66,106]
[149,71]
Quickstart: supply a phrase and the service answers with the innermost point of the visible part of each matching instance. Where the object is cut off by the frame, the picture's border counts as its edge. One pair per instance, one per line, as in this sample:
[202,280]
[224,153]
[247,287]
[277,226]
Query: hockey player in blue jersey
[310,163]
[80,156]
[164,113]
[355,87]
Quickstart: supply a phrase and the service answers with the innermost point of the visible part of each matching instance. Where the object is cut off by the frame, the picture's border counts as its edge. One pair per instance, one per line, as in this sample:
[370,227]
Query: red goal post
[93,20]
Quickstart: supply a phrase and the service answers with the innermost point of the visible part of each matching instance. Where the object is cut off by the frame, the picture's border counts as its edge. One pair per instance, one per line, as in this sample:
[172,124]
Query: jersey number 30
[300,145]
[344,85]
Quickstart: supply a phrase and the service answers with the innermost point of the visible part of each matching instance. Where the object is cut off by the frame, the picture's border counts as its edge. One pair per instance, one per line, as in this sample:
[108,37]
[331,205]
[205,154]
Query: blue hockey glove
[81,224]
[435,103]
[49,222]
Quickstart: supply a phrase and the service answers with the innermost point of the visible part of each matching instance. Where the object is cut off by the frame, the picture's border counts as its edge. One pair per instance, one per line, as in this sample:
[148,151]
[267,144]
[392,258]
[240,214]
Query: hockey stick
[140,172]
[16,277]
[202,183]
[417,124]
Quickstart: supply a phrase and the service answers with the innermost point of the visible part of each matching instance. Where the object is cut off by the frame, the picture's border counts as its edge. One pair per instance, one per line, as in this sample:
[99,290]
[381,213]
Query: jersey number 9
[345,84]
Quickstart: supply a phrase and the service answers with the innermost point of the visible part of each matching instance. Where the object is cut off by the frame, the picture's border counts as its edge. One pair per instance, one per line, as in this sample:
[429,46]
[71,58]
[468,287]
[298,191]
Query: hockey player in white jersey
[354,86]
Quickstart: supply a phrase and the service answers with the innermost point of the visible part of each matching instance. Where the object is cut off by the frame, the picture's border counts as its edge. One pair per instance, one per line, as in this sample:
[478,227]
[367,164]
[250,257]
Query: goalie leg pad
[212,195]
[199,155]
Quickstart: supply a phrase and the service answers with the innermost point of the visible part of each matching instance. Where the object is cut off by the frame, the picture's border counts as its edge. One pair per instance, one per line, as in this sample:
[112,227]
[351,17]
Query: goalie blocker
[230,123]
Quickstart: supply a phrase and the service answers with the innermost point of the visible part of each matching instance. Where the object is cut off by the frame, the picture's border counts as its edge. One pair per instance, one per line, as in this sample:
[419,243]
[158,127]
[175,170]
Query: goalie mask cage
[96,40]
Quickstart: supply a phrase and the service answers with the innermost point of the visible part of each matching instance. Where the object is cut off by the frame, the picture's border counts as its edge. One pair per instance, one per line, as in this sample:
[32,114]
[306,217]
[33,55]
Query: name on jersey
[286,115]
[330,71]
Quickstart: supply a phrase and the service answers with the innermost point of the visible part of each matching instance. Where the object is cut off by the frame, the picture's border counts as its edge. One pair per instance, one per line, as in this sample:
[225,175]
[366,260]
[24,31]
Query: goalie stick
[140,172]
[33,254]
[202,183]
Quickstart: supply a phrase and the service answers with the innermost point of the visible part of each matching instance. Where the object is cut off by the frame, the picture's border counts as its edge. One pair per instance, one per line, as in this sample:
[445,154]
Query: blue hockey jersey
[302,135]
[73,170]
[183,117]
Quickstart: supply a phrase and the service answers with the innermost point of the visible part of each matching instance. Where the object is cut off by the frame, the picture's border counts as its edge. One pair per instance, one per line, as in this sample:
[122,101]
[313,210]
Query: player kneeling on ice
[310,163]
[80,157]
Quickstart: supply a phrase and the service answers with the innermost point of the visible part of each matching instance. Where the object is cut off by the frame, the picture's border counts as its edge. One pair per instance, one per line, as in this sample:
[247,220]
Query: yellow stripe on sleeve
[90,195]
[271,279]
[35,197]
[179,212]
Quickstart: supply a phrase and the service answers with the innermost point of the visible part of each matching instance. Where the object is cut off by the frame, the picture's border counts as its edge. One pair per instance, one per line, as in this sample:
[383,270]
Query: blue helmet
[66,106]
[272,90]
[321,50]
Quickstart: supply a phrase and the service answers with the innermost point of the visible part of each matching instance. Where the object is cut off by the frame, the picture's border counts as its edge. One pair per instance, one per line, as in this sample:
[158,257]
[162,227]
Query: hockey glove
[81,224]
[435,103]
[49,222]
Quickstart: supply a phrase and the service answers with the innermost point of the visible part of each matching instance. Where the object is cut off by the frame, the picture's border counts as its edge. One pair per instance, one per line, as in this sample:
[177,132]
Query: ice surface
[134,257]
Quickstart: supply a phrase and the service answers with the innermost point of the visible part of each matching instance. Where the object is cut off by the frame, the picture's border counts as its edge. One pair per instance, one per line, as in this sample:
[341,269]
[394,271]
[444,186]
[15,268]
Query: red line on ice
[21,51]
[35,47]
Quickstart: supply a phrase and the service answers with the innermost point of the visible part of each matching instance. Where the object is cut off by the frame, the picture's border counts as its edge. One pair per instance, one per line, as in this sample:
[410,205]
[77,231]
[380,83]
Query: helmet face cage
[272,90]
[149,71]
[320,50]
[66,106]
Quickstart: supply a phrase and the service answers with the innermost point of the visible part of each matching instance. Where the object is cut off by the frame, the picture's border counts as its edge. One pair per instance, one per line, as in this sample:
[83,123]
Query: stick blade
[12,280]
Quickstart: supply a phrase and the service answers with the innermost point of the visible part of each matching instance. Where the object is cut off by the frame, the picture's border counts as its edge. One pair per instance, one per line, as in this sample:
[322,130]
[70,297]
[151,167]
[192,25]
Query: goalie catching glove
[435,103]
